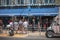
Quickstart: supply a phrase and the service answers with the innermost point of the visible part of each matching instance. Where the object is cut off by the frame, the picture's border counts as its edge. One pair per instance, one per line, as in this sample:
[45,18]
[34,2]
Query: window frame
[51,1]
[22,1]
[48,2]
[32,1]
[17,2]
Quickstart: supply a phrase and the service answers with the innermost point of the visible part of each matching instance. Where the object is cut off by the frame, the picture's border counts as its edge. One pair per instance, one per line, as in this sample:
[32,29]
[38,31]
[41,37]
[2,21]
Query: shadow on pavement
[56,36]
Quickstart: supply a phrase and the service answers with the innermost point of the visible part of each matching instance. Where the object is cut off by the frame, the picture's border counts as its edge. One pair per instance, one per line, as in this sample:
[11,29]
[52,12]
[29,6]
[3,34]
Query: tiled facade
[57,2]
[25,2]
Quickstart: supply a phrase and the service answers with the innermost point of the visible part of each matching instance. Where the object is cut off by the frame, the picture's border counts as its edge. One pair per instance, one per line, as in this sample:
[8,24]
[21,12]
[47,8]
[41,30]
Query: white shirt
[16,24]
[25,24]
[11,23]
[20,22]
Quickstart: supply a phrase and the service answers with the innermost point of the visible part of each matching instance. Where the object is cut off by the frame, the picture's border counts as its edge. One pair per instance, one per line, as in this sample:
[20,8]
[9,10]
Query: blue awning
[43,14]
[13,14]
[30,12]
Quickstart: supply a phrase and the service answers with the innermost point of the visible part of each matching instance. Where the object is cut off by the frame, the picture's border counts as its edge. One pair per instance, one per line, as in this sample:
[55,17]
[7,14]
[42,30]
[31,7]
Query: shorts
[26,28]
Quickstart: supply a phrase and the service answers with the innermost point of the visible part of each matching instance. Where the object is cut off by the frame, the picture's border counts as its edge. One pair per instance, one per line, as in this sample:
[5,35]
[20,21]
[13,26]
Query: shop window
[32,1]
[51,1]
[46,1]
[2,2]
[19,1]
[22,1]
[13,2]
[7,1]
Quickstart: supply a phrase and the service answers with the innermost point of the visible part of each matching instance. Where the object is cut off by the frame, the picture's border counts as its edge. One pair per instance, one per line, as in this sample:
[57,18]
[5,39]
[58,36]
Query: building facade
[26,2]
[57,2]
[46,10]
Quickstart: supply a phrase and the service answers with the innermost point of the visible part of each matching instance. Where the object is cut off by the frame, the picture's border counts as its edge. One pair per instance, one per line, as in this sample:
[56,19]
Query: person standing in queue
[39,26]
[46,23]
[16,25]
[9,21]
[33,25]
[1,26]
[20,25]
[25,25]
[44,26]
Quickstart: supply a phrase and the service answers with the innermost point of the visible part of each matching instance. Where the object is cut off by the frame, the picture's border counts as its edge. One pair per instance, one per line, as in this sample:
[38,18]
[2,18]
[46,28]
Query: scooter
[10,30]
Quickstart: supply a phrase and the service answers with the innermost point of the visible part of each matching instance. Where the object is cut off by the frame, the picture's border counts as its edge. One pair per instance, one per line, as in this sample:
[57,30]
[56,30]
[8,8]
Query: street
[10,38]
[30,36]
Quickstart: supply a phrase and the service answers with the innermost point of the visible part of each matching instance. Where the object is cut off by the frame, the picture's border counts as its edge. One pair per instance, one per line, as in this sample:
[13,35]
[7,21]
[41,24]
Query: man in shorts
[25,25]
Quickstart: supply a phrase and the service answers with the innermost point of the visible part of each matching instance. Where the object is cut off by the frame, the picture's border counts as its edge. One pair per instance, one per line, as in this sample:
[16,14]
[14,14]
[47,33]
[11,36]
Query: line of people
[19,27]
[22,25]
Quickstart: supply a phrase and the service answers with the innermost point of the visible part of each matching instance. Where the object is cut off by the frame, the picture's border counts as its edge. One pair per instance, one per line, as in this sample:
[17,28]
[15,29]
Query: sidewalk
[33,34]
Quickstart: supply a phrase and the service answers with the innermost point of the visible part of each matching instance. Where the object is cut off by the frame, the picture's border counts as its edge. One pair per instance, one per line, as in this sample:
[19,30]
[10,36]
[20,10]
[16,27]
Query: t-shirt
[20,22]
[16,24]
[25,24]
[11,23]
